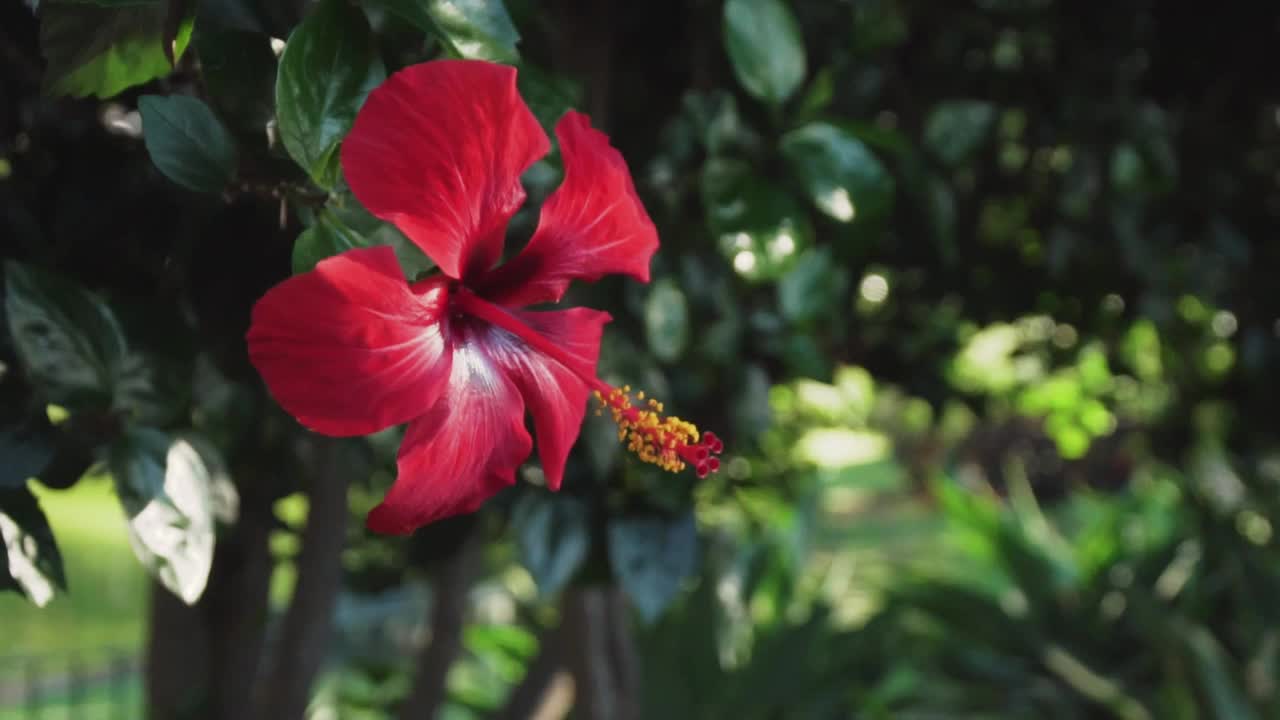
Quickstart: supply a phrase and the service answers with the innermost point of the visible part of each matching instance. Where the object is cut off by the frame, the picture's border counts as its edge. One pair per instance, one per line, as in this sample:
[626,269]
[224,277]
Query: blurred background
[981,296]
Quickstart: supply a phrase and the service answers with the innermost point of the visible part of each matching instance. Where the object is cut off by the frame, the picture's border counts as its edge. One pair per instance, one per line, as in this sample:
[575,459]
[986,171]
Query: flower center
[666,441]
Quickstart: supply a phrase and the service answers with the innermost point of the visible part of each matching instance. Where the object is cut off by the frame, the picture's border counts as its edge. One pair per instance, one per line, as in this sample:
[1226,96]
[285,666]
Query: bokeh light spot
[874,288]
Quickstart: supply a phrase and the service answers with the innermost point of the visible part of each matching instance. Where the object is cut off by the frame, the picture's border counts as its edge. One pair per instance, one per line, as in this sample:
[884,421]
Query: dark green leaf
[473,29]
[27,438]
[110,3]
[765,47]
[26,447]
[186,141]
[751,412]
[819,95]
[759,227]
[328,67]
[347,210]
[246,15]
[6,580]
[841,176]
[940,204]
[666,320]
[33,560]
[326,238]
[554,538]
[601,438]
[813,288]
[651,556]
[718,123]
[548,95]
[68,340]
[100,51]
[339,228]
[957,128]
[165,486]
[1218,680]
[804,358]
[239,72]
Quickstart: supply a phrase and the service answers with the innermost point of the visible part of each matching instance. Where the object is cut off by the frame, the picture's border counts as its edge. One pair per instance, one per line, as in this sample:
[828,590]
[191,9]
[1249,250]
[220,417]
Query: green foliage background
[979,294]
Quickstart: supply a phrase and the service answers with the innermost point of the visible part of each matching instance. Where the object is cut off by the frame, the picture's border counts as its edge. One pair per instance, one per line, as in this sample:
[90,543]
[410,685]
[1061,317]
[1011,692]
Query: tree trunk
[600,654]
[235,609]
[301,645]
[176,664]
[528,699]
[201,661]
[448,618]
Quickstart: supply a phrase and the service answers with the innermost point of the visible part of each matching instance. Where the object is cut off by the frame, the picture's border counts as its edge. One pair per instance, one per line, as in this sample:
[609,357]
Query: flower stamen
[668,442]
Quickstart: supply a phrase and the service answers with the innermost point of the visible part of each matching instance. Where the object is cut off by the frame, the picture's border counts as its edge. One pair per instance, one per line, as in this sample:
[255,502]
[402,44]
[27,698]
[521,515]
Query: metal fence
[102,684]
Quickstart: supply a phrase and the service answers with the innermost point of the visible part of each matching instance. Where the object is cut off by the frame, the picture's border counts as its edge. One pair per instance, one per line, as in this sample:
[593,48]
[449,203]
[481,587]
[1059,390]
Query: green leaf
[110,3]
[765,46]
[27,438]
[813,288]
[328,67]
[601,438]
[751,412]
[100,51]
[31,559]
[348,210]
[957,128]
[666,320]
[652,555]
[554,538]
[187,142]
[547,94]
[760,228]
[68,340]
[239,72]
[326,238]
[1218,679]
[804,358]
[842,177]
[341,227]
[821,92]
[6,579]
[716,121]
[473,29]
[26,447]
[166,487]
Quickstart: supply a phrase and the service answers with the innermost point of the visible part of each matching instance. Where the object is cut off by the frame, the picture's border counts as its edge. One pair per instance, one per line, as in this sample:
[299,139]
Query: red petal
[592,225]
[463,451]
[349,348]
[556,397]
[438,150]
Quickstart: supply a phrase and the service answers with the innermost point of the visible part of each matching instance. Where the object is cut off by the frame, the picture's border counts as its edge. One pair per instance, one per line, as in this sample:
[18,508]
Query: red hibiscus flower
[352,347]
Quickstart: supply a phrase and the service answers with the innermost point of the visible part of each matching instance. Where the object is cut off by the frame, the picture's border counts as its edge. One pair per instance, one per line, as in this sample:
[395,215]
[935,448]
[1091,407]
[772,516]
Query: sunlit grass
[106,603]
[102,698]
